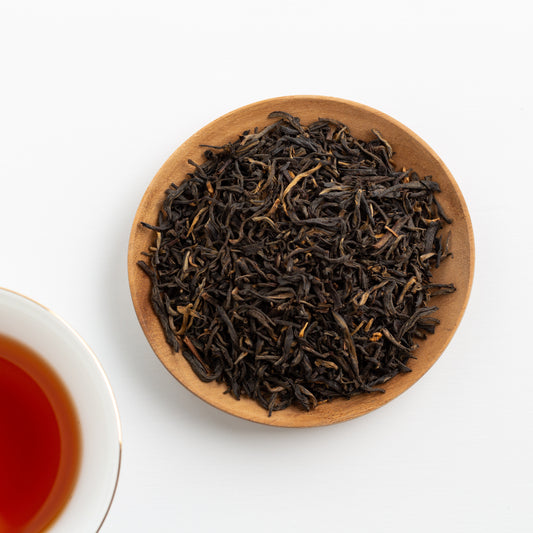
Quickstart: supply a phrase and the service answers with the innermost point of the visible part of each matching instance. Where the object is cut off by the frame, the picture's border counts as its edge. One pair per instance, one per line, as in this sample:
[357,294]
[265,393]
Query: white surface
[79,370]
[95,96]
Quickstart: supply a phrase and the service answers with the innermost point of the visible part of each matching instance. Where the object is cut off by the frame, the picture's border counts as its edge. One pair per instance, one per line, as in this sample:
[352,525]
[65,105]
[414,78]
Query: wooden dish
[410,151]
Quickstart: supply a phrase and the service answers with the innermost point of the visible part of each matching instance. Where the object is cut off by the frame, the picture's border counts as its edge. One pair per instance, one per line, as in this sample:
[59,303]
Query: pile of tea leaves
[294,264]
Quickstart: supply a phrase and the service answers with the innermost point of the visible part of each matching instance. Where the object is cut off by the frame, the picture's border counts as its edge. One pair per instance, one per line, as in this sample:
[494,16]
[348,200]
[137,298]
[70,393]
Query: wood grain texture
[410,151]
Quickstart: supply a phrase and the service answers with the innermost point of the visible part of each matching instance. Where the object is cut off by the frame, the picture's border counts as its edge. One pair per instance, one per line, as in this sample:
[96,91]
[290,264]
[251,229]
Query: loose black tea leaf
[294,264]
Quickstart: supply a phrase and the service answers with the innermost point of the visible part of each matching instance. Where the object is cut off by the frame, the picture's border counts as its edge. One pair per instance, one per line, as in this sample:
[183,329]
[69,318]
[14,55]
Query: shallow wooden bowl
[410,151]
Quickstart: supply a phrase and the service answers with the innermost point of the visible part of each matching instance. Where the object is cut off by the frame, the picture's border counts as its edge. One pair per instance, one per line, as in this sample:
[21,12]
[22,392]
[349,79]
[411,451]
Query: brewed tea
[39,440]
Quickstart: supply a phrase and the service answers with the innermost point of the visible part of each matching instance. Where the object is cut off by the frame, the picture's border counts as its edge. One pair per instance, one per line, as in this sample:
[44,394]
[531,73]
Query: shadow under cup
[85,475]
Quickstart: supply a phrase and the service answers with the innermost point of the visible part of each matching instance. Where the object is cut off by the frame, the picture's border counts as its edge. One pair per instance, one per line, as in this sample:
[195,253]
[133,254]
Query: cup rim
[71,331]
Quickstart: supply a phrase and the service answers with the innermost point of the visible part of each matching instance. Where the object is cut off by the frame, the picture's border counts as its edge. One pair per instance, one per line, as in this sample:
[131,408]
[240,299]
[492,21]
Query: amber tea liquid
[40,444]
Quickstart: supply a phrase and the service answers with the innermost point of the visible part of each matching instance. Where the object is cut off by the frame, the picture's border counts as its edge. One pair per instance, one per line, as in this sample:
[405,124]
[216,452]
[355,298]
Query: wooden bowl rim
[243,408]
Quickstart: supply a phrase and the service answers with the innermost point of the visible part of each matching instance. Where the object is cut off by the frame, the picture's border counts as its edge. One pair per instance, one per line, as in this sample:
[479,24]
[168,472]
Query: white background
[95,96]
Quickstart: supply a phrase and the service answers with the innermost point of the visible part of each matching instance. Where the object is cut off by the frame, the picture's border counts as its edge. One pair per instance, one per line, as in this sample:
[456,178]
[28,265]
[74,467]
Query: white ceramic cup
[77,366]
